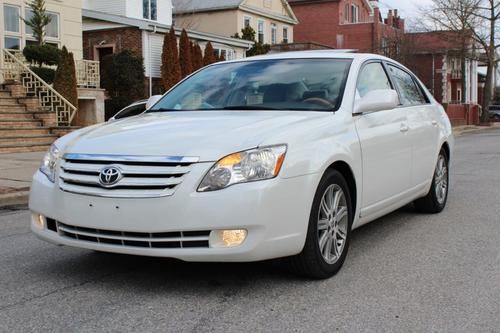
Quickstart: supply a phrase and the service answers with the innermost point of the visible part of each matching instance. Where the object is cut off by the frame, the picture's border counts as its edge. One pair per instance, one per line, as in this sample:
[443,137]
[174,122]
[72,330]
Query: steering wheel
[319,101]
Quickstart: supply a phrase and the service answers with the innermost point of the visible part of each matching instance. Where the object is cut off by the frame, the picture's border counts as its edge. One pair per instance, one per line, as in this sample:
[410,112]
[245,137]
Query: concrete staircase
[24,126]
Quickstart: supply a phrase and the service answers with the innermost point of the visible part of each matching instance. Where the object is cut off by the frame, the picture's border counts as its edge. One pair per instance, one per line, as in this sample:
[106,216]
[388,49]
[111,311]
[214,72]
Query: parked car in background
[267,157]
[136,108]
[494,111]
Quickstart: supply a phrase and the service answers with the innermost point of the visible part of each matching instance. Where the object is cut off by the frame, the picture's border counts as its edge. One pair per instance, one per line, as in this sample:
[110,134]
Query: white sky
[408,9]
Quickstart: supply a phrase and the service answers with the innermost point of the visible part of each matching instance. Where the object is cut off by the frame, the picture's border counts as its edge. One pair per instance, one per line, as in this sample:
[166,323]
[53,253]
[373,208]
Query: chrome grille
[158,240]
[141,176]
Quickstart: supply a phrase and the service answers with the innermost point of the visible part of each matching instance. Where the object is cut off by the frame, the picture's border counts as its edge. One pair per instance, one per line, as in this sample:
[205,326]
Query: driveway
[405,272]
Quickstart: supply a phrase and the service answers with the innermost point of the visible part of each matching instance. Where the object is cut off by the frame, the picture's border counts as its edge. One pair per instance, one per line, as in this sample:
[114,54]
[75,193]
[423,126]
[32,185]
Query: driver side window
[372,77]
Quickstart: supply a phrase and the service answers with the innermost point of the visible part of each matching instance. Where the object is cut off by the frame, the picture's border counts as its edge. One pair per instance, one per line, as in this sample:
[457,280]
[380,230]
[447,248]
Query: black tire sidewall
[331,177]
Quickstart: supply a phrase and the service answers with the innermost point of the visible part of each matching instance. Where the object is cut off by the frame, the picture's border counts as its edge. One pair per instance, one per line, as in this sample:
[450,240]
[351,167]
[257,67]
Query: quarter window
[372,77]
[409,92]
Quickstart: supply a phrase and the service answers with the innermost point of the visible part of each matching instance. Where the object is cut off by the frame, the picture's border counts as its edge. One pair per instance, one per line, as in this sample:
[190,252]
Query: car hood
[209,135]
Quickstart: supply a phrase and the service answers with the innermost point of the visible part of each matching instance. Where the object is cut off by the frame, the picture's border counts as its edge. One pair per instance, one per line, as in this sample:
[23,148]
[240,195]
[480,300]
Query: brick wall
[422,65]
[120,39]
[326,23]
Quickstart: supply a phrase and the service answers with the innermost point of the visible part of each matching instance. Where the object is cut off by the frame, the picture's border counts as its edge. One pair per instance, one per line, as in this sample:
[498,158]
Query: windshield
[285,84]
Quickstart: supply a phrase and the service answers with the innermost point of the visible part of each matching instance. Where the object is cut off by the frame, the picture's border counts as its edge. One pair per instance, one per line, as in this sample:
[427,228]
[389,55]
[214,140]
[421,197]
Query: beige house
[272,20]
[65,27]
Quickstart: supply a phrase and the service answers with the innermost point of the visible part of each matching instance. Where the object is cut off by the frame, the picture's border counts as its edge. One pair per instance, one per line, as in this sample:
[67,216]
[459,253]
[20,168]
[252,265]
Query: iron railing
[15,69]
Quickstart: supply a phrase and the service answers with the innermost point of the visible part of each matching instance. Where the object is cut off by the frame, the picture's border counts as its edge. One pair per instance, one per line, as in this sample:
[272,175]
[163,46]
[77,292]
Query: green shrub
[42,54]
[65,78]
[45,73]
[123,78]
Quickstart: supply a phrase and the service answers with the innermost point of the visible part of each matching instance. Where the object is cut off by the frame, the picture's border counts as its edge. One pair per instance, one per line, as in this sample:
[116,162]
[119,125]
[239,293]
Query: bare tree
[471,20]
[455,16]
[486,34]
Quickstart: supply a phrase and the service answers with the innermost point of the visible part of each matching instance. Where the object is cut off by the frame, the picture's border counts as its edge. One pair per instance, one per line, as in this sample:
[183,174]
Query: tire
[435,201]
[329,229]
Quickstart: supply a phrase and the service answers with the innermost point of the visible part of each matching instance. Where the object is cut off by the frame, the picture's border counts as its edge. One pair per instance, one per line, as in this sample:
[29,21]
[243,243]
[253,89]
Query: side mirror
[152,101]
[377,100]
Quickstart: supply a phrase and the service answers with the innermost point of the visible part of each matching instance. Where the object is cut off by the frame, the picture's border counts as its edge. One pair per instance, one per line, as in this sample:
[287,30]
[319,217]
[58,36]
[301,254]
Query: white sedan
[266,157]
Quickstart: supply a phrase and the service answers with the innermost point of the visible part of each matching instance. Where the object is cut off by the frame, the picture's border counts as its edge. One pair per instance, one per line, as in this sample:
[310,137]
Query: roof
[162,28]
[183,6]
[316,54]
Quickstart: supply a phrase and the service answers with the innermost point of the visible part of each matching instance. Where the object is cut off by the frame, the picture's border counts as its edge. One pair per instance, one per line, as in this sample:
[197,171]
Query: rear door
[422,122]
[386,149]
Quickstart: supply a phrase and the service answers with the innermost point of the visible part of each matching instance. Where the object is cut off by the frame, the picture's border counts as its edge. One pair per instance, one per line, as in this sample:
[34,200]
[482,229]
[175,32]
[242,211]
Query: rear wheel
[329,229]
[435,201]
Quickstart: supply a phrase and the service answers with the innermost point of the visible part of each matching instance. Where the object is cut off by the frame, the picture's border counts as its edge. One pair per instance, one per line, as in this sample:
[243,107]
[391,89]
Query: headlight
[246,166]
[49,162]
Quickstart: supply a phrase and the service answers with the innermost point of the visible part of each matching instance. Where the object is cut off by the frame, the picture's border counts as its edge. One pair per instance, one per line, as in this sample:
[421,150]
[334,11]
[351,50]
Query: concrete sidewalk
[16,171]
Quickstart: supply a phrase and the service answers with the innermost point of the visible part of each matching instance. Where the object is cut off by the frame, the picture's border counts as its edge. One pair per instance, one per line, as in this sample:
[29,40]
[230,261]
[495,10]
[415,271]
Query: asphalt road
[404,273]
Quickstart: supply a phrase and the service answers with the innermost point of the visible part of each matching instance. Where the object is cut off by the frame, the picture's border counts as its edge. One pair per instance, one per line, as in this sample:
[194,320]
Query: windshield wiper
[248,107]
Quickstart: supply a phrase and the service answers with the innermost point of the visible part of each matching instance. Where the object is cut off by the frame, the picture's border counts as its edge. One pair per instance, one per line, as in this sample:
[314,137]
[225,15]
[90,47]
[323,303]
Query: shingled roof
[191,6]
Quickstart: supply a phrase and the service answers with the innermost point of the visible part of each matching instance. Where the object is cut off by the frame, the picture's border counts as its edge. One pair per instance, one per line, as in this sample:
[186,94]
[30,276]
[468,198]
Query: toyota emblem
[109,176]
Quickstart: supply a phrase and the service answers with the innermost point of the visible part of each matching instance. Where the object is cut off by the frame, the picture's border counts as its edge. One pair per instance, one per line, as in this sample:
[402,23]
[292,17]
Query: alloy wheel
[333,222]
[441,180]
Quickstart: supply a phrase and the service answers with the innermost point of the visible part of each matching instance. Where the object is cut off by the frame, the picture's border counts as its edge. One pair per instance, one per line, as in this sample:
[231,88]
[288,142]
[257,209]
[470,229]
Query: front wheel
[435,201]
[329,229]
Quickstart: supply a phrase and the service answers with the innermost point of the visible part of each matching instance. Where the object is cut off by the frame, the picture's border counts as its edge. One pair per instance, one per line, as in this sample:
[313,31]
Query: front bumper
[274,212]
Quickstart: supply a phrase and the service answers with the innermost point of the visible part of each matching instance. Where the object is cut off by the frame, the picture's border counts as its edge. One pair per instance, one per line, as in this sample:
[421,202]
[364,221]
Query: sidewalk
[16,171]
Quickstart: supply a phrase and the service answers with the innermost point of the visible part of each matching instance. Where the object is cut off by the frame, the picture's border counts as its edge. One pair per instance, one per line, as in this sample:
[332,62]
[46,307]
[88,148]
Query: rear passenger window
[410,93]
[372,77]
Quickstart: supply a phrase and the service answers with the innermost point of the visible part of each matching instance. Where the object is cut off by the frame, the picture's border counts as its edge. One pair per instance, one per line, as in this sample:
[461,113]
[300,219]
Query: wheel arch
[346,171]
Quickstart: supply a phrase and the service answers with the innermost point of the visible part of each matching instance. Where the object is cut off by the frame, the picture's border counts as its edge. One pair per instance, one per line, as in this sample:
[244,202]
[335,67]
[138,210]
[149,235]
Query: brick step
[28,139]
[22,148]
[13,107]
[14,131]
[16,115]
[8,101]
[61,131]
[24,123]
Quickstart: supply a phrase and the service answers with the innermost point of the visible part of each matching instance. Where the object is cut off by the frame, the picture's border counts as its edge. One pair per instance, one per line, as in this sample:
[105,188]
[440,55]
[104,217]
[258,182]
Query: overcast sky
[407,8]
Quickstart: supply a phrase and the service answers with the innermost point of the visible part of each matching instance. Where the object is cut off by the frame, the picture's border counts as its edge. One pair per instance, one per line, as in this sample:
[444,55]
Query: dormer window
[149,9]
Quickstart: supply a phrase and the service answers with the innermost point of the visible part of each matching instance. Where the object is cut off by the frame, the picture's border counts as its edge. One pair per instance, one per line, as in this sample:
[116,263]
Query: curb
[474,129]
[19,198]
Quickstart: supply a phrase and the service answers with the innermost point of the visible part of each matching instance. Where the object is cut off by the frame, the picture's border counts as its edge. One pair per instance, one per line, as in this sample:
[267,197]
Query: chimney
[390,18]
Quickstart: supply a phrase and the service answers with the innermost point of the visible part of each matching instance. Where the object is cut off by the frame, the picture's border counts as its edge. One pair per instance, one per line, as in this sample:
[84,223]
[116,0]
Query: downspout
[433,73]
[150,64]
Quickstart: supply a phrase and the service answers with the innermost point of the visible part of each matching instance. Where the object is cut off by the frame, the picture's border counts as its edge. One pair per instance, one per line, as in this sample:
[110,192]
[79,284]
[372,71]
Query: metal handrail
[48,97]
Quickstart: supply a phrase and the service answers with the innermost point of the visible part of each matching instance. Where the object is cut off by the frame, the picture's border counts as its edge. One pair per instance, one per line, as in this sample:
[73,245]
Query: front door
[385,146]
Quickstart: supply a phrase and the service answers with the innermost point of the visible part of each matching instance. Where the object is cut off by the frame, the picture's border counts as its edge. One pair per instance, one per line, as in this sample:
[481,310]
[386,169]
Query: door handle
[434,123]
[404,128]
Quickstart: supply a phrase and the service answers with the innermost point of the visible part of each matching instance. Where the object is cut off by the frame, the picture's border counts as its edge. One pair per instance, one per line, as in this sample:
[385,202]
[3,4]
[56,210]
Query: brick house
[140,26]
[436,60]
[346,24]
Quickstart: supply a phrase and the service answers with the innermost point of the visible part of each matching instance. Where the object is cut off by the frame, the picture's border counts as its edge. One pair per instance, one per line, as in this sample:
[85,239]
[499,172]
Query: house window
[246,22]
[273,33]
[285,35]
[346,13]
[12,43]
[51,30]
[11,26]
[11,18]
[149,9]
[340,41]
[228,54]
[261,32]
[354,14]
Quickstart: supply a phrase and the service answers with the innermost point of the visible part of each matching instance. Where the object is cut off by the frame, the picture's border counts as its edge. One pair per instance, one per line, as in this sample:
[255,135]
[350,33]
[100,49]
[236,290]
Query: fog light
[227,238]
[39,221]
